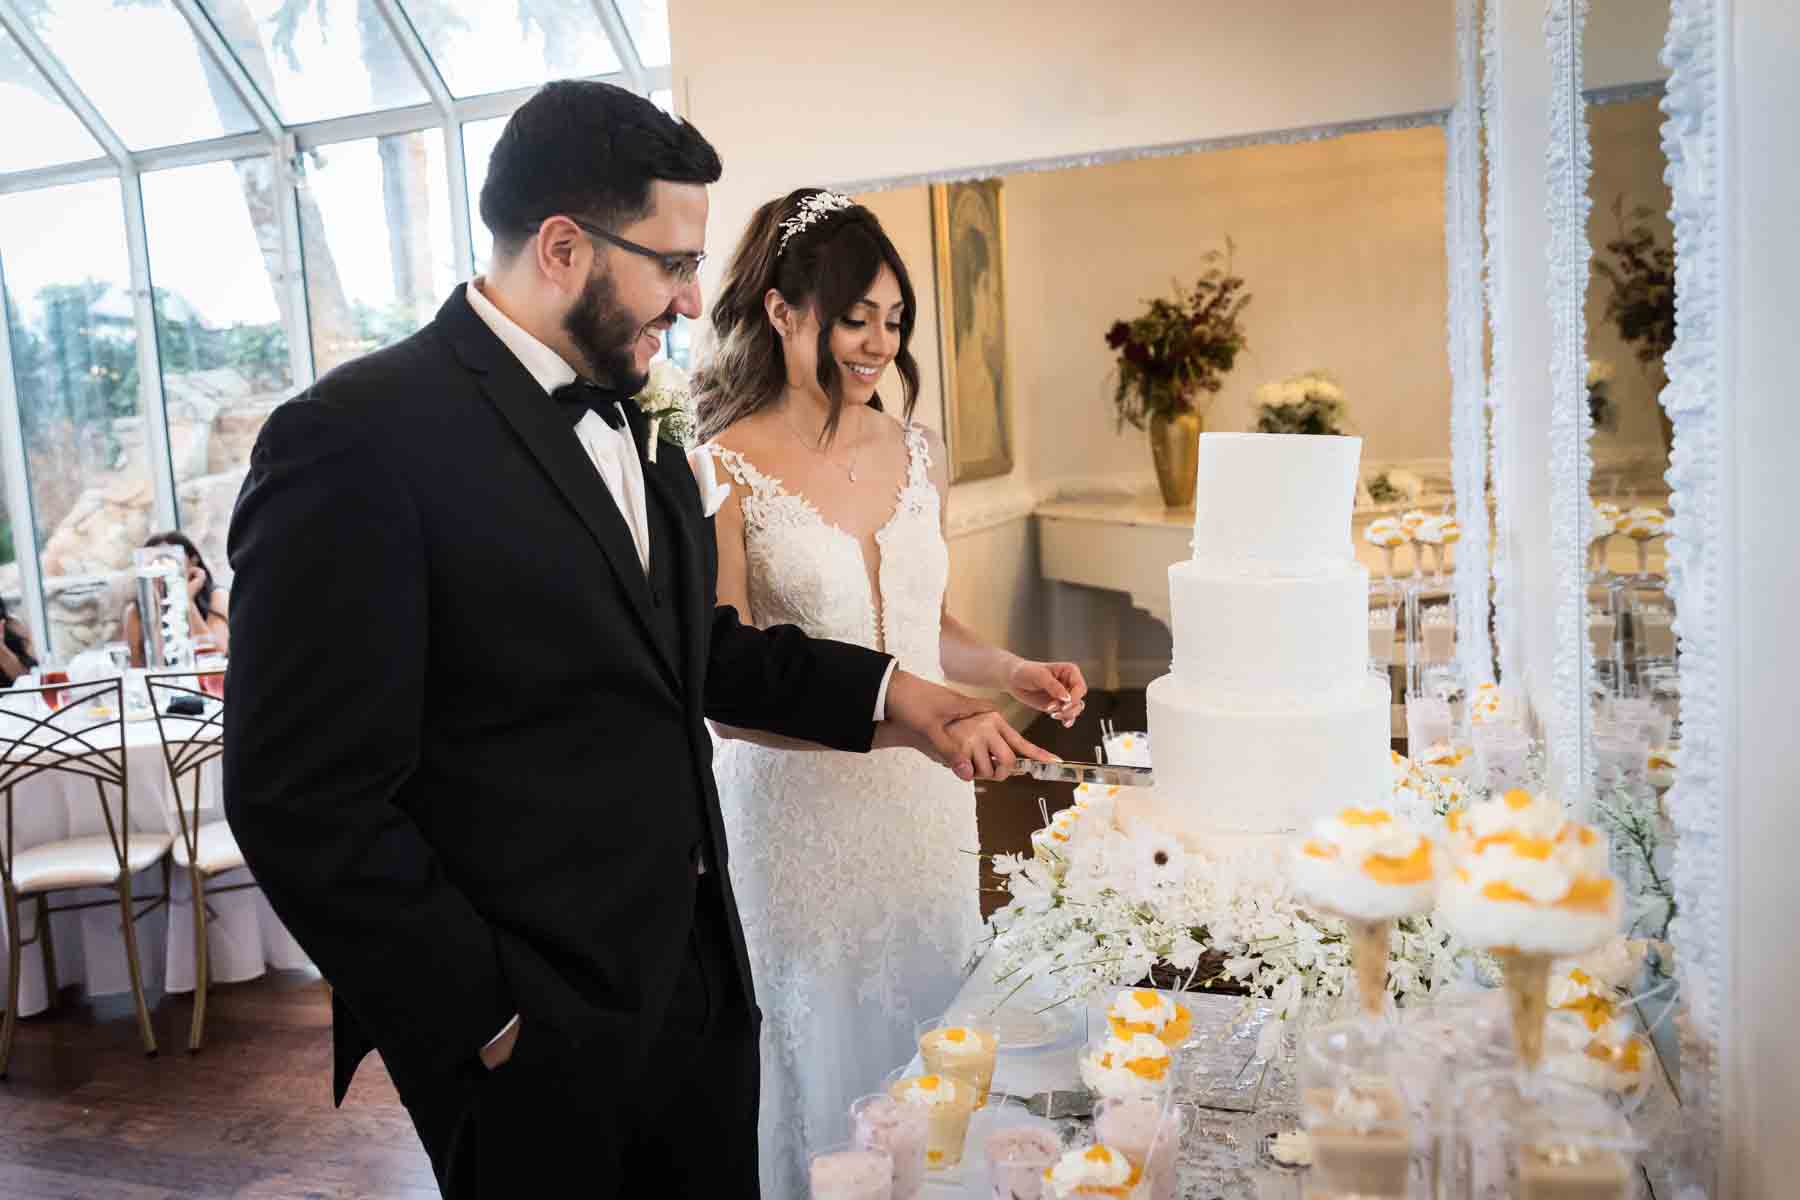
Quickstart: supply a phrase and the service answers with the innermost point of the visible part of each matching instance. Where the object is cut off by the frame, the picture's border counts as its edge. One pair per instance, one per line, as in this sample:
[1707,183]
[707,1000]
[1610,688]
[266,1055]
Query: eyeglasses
[682,268]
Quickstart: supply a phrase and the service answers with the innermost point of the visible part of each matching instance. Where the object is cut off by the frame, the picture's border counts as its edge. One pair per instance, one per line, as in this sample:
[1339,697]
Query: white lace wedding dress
[856,875]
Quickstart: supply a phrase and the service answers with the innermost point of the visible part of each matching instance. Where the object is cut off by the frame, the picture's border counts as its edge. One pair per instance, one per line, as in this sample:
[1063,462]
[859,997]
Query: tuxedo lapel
[547,435]
[664,487]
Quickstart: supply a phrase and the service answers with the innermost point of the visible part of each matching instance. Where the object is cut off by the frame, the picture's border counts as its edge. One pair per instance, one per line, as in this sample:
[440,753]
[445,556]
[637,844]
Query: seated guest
[17,655]
[207,602]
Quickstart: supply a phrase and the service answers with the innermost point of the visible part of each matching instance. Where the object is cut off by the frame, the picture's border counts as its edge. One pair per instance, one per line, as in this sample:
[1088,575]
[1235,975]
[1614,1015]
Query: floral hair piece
[813,209]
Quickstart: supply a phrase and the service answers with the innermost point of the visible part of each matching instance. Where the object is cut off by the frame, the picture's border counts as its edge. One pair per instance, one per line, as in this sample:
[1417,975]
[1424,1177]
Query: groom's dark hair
[590,150]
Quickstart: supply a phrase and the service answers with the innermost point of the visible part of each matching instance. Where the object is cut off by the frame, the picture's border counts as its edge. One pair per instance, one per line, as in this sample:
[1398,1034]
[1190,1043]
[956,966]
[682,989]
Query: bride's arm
[734,589]
[973,662]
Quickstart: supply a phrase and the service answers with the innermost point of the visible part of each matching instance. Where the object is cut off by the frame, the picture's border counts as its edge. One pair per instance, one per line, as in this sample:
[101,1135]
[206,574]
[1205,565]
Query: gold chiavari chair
[69,739]
[204,851]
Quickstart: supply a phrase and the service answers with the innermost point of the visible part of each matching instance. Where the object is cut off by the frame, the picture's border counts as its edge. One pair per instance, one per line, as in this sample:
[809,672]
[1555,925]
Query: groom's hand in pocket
[963,733]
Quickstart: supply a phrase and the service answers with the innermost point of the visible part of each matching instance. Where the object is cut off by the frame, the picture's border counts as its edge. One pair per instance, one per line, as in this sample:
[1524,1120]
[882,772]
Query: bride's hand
[964,734]
[1056,688]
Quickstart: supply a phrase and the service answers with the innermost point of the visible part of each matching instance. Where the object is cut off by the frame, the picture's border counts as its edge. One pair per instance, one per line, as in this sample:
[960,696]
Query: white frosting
[1350,1107]
[1228,766]
[1090,1167]
[1269,719]
[1529,928]
[1256,636]
[1274,503]
[972,1044]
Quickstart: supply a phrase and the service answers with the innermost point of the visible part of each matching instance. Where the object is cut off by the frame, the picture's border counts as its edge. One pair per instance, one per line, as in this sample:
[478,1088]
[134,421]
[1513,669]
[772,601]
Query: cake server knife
[1110,774]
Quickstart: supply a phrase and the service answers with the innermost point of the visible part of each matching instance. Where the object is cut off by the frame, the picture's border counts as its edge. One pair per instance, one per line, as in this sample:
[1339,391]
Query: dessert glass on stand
[1410,522]
[1385,534]
[1439,532]
[1603,522]
[1644,525]
[1527,1136]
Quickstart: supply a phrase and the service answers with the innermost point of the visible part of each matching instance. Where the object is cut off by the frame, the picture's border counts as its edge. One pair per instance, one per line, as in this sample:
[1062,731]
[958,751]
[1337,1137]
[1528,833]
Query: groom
[475,646]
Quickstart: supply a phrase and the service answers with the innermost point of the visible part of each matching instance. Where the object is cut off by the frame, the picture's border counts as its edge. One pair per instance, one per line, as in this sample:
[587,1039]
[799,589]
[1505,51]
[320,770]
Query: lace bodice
[807,571]
[856,874]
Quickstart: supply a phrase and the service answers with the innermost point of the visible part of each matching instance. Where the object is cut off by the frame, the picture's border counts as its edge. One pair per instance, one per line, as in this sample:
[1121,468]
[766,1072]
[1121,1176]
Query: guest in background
[17,655]
[208,603]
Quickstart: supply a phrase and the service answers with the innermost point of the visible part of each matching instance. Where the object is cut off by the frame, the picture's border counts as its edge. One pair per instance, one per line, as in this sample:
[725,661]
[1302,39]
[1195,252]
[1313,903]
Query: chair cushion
[217,846]
[83,862]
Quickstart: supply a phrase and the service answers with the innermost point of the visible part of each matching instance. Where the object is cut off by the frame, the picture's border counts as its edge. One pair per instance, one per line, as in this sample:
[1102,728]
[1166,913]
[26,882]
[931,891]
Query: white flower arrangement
[669,403]
[1114,905]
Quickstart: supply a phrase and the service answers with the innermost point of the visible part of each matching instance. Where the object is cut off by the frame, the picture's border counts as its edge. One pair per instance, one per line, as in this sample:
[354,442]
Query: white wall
[801,92]
[1762,191]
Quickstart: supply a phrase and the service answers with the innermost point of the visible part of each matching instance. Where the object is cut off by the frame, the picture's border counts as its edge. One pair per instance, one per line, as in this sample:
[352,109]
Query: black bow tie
[581,397]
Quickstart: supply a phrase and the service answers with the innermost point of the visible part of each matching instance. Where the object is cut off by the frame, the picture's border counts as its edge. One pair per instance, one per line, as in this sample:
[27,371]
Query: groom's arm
[781,681]
[322,716]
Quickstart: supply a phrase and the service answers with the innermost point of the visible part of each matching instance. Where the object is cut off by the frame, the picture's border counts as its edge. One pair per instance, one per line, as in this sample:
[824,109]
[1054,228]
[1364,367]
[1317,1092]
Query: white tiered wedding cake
[1269,718]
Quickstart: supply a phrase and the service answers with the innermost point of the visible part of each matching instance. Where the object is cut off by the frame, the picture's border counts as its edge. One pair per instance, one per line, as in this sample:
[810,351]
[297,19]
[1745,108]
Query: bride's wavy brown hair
[827,267]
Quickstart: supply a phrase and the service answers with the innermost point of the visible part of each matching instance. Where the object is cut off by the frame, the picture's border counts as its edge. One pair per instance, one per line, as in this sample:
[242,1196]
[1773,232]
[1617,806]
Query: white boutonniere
[668,402]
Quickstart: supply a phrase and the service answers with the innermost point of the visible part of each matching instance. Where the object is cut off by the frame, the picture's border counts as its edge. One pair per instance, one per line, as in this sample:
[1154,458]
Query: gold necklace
[849,469]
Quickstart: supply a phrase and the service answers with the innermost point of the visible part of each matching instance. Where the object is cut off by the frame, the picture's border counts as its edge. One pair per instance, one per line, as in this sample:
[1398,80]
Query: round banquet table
[244,937]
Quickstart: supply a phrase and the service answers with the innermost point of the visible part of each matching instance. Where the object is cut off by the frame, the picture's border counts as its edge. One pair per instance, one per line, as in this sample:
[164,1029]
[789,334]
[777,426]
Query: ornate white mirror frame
[1697,805]
[1468,383]
[1697,546]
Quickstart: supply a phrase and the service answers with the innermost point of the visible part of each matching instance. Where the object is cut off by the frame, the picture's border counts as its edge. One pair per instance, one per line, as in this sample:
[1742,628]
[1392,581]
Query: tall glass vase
[161,578]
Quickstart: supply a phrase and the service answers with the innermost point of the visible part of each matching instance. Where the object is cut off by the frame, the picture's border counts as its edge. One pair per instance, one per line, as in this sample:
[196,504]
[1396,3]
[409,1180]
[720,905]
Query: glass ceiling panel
[318,59]
[648,23]
[482,46]
[40,131]
[105,46]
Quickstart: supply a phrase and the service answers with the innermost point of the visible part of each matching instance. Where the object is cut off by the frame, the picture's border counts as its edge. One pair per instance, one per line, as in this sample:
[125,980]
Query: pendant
[852,474]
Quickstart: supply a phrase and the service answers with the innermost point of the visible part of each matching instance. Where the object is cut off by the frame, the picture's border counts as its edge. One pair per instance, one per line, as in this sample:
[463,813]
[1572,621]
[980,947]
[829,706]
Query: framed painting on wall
[969,241]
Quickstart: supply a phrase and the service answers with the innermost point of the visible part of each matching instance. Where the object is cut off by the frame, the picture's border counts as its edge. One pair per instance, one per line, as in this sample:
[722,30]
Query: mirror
[1266,256]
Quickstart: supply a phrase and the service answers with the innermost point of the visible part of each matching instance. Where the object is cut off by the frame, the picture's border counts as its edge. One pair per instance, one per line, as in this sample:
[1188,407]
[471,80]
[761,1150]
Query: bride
[857,877]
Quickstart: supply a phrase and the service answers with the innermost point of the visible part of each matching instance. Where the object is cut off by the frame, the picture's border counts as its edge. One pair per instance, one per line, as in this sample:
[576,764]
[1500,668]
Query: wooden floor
[84,1115]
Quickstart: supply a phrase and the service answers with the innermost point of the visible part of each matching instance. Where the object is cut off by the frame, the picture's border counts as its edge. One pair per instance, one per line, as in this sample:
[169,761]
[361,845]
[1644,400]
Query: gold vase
[1175,448]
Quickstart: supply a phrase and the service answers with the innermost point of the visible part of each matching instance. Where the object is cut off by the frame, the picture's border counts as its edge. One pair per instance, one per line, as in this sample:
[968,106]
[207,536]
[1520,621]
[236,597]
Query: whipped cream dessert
[1644,523]
[1140,1010]
[1094,1171]
[1385,532]
[1411,521]
[1603,520]
[1360,1141]
[1441,530]
[1121,1068]
[1444,758]
[1366,864]
[884,1123]
[1528,880]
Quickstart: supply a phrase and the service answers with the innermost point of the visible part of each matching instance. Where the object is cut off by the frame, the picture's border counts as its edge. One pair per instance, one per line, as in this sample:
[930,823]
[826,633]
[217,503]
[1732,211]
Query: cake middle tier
[1264,635]
[1230,766]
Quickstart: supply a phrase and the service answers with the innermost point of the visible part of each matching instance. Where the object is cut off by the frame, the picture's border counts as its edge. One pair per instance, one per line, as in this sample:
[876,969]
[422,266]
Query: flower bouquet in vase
[1170,357]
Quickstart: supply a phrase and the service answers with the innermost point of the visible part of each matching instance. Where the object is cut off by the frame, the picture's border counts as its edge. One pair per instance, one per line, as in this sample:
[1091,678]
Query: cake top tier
[1278,501]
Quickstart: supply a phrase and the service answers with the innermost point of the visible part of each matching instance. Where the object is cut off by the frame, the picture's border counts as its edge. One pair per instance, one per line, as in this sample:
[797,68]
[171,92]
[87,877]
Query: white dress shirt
[613,452]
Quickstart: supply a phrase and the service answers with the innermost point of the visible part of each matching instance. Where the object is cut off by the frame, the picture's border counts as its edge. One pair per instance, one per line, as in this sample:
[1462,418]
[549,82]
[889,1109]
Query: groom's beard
[607,336]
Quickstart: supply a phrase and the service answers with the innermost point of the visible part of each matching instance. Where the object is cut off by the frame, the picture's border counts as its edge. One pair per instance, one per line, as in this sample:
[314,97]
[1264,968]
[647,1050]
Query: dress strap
[918,455]
[743,471]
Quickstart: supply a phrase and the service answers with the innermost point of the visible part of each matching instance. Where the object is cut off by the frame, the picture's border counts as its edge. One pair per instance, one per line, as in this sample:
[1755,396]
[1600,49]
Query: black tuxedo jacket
[466,773]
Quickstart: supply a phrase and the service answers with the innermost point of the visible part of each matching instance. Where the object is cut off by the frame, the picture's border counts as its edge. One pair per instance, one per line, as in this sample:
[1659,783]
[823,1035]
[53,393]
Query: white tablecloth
[244,937]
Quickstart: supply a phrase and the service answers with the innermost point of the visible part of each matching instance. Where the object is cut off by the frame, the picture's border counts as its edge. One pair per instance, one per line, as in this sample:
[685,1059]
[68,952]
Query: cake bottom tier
[1235,768]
